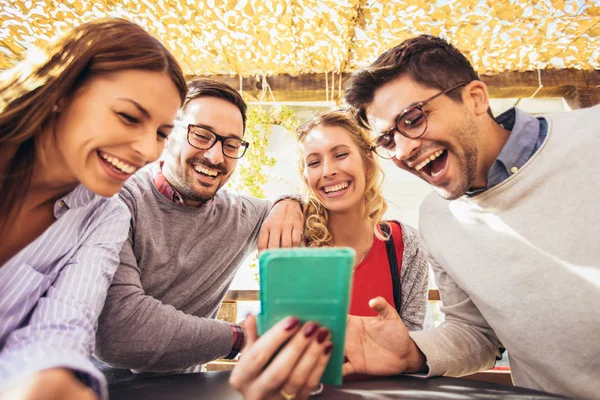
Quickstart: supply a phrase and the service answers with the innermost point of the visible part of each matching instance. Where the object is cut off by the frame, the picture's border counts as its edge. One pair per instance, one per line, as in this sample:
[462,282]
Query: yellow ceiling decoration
[264,37]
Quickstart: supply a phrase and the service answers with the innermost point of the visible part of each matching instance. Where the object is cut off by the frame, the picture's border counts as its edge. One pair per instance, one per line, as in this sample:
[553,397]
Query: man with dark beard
[187,238]
[513,235]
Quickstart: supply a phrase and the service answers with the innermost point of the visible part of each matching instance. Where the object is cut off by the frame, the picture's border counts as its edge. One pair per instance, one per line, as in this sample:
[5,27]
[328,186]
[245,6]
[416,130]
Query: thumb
[381,307]
[348,369]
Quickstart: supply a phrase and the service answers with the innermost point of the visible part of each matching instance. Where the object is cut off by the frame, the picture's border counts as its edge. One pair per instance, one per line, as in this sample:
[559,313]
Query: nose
[329,169]
[215,153]
[405,147]
[147,146]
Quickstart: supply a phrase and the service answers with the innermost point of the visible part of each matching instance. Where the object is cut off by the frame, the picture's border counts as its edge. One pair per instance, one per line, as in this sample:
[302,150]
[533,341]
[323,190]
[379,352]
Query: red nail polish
[310,329]
[323,332]
[328,348]
[291,324]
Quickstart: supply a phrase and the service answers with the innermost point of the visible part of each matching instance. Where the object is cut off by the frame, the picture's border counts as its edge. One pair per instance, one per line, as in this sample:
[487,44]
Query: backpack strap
[393,261]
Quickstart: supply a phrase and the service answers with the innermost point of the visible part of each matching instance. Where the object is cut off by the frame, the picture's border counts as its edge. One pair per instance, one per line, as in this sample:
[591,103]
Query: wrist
[294,197]
[416,362]
[239,339]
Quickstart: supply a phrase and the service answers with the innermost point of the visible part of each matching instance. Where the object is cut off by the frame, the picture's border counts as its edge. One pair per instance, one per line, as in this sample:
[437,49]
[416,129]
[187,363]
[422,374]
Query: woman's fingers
[257,355]
[279,370]
[307,373]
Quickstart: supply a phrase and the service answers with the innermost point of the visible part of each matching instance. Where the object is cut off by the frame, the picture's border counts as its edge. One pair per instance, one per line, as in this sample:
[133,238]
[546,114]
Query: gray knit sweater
[175,270]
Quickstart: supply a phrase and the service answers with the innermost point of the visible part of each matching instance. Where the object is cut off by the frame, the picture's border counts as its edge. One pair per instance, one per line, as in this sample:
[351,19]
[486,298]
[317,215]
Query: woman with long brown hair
[76,121]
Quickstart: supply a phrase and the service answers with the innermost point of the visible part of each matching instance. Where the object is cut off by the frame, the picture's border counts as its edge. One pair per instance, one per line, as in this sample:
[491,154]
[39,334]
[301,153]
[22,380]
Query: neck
[51,178]
[359,237]
[170,177]
[493,141]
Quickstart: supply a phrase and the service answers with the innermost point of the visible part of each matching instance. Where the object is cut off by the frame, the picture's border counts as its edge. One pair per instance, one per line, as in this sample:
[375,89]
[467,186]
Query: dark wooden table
[215,385]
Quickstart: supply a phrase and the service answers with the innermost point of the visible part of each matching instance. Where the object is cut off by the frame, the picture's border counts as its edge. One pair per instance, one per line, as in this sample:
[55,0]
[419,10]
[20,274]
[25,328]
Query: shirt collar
[525,129]
[78,197]
[165,188]
[524,132]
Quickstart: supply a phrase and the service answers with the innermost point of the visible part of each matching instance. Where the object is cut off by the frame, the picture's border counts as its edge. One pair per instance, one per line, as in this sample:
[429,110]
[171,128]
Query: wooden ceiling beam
[582,86]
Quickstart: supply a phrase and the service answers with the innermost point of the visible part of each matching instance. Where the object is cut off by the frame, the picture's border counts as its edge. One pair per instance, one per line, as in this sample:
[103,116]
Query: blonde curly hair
[316,216]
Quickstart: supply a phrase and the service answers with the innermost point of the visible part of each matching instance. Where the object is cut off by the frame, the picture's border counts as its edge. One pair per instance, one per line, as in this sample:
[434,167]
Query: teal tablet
[312,284]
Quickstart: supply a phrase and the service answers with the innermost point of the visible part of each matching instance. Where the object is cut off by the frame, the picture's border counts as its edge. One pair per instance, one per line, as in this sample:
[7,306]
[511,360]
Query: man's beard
[186,181]
[467,136]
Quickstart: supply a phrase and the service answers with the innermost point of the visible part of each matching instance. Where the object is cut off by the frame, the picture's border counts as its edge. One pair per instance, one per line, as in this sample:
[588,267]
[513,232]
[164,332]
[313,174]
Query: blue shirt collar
[525,130]
[525,137]
[78,197]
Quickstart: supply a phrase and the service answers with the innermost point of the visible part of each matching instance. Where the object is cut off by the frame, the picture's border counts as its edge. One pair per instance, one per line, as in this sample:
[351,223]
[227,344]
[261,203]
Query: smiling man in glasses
[513,234]
[188,236]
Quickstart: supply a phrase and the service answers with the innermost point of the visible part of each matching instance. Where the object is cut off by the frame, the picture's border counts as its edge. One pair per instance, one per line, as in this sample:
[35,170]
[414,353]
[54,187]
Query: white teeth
[430,159]
[119,164]
[206,171]
[335,188]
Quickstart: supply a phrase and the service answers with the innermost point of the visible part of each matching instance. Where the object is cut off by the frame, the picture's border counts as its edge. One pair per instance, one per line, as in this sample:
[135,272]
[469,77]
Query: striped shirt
[53,290]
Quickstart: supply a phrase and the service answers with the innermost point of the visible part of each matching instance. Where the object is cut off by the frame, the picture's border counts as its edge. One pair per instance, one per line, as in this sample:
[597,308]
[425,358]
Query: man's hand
[49,384]
[380,345]
[283,227]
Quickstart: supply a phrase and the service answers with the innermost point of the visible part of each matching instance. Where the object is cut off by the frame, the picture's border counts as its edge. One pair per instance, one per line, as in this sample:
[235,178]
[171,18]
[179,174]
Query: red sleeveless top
[372,277]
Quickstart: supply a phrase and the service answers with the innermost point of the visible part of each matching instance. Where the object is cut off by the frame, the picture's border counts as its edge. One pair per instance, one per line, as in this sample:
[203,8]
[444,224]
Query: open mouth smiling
[336,189]
[205,171]
[118,165]
[434,165]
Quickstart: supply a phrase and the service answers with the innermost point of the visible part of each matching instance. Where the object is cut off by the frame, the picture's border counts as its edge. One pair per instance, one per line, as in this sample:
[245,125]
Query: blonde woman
[345,207]
[75,124]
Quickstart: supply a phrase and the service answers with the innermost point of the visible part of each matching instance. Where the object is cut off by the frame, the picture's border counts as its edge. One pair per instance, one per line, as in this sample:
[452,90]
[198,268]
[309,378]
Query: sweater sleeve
[260,210]
[464,343]
[414,280]
[137,331]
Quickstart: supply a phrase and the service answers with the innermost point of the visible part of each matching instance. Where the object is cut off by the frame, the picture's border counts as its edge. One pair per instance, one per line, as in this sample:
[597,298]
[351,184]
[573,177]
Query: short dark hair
[428,60]
[205,87]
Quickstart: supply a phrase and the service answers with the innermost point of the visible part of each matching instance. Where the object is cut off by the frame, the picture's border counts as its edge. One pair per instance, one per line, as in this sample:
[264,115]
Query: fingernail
[310,329]
[249,314]
[323,332]
[346,359]
[291,323]
[328,348]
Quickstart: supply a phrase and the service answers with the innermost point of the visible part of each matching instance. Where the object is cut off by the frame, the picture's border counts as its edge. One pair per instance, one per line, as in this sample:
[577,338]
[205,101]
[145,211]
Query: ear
[476,97]
[59,106]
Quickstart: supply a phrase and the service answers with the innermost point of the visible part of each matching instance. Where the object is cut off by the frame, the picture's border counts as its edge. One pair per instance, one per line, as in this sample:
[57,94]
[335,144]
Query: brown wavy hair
[31,89]
[316,216]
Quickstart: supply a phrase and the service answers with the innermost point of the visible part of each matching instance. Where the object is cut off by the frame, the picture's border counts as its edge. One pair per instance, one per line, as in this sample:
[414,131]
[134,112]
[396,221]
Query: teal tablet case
[312,284]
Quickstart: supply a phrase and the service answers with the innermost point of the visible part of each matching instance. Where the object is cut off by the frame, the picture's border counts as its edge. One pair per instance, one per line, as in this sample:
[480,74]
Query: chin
[104,190]
[450,193]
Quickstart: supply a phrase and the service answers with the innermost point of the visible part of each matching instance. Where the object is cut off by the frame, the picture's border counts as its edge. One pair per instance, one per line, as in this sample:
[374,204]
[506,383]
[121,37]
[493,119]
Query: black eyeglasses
[410,123]
[204,139]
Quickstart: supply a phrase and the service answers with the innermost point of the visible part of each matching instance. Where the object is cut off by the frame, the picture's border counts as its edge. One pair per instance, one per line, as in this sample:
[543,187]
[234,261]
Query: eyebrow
[143,110]
[332,150]
[210,128]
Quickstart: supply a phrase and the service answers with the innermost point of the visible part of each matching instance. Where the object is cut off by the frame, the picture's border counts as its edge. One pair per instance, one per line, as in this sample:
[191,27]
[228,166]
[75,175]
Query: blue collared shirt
[53,290]
[527,133]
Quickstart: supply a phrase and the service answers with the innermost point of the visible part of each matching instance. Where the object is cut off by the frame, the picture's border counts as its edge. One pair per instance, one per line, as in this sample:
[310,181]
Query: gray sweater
[175,269]
[518,267]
